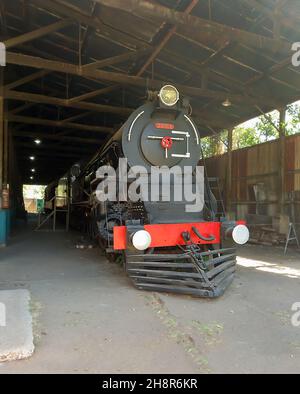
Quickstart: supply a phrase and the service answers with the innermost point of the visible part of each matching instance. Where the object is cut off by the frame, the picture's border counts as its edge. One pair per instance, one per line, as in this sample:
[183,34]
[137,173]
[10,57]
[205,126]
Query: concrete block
[16,336]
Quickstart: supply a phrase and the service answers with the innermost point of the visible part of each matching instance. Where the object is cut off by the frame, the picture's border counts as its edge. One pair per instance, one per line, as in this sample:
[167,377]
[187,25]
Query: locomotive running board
[205,274]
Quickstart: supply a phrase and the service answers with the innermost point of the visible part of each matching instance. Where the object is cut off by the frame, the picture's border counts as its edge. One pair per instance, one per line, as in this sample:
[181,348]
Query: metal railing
[53,214]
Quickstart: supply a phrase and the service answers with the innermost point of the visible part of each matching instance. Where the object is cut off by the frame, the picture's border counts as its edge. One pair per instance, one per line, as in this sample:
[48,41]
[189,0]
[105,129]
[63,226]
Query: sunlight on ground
[269,267]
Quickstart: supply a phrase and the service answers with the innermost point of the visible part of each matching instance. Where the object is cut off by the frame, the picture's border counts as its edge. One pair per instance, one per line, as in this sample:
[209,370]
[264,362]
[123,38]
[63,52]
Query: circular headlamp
[240,234]
[141,240]
[168,95]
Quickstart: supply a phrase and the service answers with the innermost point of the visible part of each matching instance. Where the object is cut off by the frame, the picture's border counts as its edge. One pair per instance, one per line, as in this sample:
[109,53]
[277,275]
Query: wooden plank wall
[259,165]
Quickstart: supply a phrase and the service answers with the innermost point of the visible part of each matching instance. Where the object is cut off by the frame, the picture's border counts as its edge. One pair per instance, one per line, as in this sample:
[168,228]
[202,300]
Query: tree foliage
[267,127]
[293,123]
[243,137]
[33,191]
[214,145]
[264,129]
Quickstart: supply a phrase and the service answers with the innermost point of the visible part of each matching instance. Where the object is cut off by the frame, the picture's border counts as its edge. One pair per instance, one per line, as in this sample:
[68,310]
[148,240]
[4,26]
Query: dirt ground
[88,318]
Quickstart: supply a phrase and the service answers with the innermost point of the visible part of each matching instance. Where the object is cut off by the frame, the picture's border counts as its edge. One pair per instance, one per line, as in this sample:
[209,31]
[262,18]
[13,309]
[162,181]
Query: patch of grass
[35,308]
[210,331]
[177,332]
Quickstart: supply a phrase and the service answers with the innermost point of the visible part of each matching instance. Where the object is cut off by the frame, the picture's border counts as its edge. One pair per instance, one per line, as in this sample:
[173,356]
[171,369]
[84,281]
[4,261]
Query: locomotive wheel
[105,227]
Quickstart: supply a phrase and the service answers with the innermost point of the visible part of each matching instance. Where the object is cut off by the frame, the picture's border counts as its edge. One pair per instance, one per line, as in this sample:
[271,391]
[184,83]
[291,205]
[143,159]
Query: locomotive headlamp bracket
[152,95]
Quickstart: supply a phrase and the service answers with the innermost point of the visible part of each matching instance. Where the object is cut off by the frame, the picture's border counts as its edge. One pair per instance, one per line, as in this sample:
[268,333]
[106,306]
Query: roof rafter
[65,9]
[60,124]
[30,134]
[76,117]
[42,99]
[55,147]
[93,93]
[61,8]
[115,60]
[288,22]
[42,31]
[27,79]
[44,152]
[165,39]
[30,61]
[195,25]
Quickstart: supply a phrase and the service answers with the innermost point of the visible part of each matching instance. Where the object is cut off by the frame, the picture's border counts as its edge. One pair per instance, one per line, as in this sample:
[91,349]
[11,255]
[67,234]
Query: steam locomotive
[163,245]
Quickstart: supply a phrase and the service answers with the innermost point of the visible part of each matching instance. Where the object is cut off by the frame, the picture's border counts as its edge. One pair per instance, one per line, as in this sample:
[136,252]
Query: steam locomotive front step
[187,276]
[209,293]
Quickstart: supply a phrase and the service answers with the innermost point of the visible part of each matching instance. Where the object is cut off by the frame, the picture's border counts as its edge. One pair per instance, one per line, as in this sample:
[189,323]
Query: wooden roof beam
[55,147]
[109,33]
[33,35]
[195,26]
[288,22]
[30,61]
[132,55]
[61,8]
[21,108]
[27,79]
[268,73]
[76,117]
[69,10]
[94,93]
[106,63]
[156,51]
[30,134]
[42,99]
[217,54]
[59,124]
[44,153]
[23,157]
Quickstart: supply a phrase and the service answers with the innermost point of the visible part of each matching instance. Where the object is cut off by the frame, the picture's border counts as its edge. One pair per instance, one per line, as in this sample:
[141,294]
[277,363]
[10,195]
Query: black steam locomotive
[163,245]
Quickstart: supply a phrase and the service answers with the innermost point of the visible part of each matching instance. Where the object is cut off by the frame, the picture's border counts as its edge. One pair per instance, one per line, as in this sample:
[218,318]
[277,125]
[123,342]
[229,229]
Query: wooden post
[229,171]
[5,152]
[281,162]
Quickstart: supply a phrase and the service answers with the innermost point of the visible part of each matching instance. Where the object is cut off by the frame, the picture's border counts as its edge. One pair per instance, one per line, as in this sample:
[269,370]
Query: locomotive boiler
[163,245]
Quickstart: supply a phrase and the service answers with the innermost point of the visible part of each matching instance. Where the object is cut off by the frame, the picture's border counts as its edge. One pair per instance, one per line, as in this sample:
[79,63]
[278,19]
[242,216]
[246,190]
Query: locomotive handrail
[199,235]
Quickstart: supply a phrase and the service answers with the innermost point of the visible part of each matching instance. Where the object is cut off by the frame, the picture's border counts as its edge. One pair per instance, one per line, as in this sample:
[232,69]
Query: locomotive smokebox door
[158,146]
[158,137]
